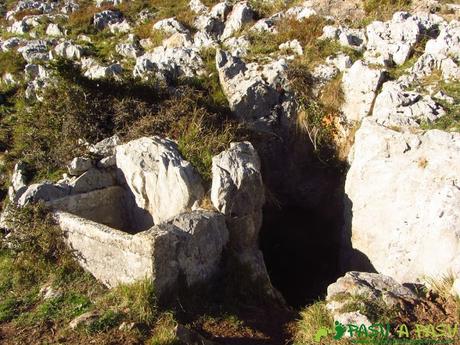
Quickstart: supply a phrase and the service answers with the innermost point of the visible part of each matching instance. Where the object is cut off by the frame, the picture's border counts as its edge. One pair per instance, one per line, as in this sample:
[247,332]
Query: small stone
[79,165]
[84,319]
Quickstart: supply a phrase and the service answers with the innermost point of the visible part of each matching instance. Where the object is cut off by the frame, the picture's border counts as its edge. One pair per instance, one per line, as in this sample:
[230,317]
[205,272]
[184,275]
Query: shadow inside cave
[302,252]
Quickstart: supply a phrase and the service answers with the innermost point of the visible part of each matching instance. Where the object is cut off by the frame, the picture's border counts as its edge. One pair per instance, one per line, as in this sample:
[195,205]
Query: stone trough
[133,213]
[133,219]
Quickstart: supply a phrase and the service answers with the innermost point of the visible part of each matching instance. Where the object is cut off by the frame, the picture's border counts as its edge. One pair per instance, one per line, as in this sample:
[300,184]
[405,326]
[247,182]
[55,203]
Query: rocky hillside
[204,172]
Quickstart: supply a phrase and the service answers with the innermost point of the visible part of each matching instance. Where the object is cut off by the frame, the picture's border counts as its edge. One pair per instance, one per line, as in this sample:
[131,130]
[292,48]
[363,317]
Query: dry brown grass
[305,31]
[332,94]
[28,12]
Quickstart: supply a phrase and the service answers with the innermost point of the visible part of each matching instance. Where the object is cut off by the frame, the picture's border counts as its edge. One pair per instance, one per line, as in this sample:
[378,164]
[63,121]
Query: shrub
[316,115]
[11,62]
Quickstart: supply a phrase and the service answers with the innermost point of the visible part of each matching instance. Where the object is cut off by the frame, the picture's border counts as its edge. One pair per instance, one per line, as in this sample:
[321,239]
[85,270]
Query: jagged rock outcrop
[169,63]
[255,93]
[402,194]
[395,106]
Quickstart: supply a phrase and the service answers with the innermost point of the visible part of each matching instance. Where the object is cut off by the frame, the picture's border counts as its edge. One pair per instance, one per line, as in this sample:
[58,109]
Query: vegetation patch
[384,9]
[451,121]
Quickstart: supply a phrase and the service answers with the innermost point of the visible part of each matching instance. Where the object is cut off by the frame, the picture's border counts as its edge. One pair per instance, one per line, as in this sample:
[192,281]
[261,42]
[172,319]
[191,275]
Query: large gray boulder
[403,199]
[397,38]
[162,182]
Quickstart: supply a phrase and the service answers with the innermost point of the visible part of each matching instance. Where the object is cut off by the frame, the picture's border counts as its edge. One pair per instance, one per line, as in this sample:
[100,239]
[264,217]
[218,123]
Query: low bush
[11,62]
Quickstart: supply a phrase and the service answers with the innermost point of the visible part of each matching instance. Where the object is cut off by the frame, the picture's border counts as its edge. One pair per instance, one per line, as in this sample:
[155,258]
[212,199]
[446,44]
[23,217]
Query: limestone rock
[397,37]
[20,28]
[240,15]
[360,290]
[415,234]
[169,63]
[54,30]
[102,19]
[128,50]
[293,46]
[237,46]
[105,147]
[237,188]
[371,286]
[79,165]
[107,162]
[69,50]
[120,27]
[250,89]
[341,61]
[18,182]
[170,26]
[396,107]
[96,71]
[221,10]
[35,51]
[93,179]
[45,191]
[198,7]
[11,43]
[238,192]
[360,84]
[163,183]
[178,41]
[187,249]
[300,12]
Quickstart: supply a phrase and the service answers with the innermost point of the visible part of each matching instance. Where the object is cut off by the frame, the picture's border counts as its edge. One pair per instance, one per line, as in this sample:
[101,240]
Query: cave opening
[301,249]
[303,220]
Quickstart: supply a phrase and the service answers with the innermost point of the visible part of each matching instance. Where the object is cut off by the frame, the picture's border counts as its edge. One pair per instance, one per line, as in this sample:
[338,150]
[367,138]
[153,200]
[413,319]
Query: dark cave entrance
[301,249]
[302,231]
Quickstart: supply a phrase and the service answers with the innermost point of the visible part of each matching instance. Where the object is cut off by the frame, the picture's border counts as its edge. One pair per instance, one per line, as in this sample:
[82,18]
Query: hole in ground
[301,249]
